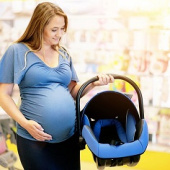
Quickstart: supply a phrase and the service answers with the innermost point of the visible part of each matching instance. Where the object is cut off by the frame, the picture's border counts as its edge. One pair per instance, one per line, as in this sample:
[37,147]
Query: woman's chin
[55,42]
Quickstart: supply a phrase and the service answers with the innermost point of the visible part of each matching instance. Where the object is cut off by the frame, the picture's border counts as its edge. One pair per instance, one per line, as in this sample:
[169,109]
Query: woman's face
[54,30]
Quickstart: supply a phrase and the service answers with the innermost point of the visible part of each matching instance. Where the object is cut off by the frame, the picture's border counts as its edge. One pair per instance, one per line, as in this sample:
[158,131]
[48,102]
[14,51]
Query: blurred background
[127,37]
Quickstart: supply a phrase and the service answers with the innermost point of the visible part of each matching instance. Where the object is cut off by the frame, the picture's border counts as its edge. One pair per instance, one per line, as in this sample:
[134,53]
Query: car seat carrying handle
[84,85]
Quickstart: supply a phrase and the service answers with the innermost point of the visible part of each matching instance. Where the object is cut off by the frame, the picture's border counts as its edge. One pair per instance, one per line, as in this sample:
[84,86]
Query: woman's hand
[104,79]
[37,131]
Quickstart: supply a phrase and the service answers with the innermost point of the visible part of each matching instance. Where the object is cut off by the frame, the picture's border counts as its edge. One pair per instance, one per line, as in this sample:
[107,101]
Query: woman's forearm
[76,88]
[9,106]
[87,89]
[103,80]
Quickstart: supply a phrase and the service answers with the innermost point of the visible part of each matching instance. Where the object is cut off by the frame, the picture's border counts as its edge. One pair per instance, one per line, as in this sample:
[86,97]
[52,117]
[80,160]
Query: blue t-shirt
[45,97]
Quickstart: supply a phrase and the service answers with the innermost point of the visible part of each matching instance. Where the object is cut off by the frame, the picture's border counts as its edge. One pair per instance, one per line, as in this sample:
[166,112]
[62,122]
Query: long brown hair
[42,15]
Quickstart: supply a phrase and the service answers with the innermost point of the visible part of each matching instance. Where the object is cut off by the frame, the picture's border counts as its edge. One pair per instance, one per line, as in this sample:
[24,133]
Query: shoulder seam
[65,50]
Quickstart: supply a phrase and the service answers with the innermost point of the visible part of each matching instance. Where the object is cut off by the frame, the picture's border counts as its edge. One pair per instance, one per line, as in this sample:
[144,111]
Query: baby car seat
[111,126]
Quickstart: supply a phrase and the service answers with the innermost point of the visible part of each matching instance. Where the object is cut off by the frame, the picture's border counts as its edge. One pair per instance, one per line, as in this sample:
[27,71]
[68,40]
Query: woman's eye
[62,30]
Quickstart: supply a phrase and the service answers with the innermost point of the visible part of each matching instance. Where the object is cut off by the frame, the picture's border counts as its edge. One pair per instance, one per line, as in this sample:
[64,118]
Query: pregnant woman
[48,84]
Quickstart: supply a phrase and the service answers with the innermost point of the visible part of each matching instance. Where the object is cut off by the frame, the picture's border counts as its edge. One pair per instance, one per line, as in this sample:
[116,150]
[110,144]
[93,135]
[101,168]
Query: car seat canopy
[110,105]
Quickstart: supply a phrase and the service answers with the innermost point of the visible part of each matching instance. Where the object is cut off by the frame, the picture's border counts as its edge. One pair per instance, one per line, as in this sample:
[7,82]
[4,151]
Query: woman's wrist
[23,122]
[93,84]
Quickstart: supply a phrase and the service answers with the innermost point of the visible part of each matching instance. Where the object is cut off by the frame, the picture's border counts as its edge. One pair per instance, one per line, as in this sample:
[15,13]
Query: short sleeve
[11,66]
[74,74]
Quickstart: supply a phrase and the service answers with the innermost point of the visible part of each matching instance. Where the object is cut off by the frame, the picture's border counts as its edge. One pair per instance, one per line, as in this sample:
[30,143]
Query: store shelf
[158,147]
[3,115]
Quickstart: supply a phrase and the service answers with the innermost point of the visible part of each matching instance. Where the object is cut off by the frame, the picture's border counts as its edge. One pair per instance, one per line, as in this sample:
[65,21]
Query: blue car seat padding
[113,131]
[107,130]
[106,150]
[130,127]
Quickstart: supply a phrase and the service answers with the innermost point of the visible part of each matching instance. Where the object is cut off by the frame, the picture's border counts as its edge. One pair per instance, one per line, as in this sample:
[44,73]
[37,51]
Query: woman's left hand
[104,79]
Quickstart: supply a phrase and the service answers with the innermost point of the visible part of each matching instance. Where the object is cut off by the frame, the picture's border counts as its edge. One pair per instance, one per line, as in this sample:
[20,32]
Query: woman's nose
[60,32]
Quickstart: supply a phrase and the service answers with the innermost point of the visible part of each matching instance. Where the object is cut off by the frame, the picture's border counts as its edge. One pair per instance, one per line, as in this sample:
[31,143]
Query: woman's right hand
[37,131]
